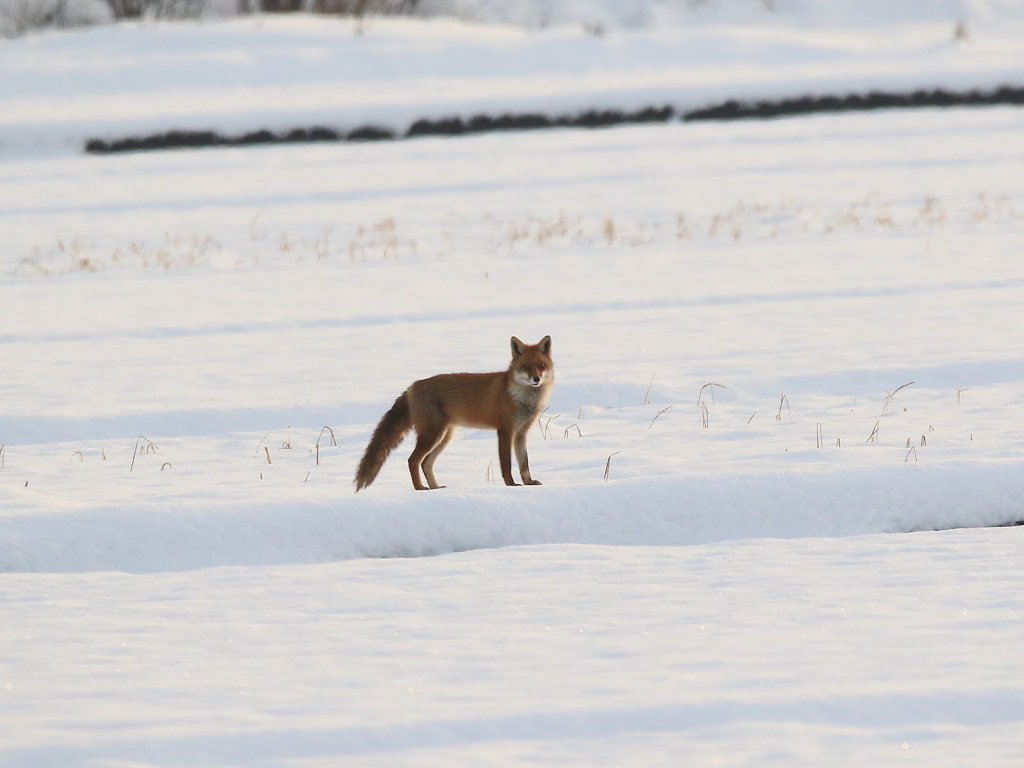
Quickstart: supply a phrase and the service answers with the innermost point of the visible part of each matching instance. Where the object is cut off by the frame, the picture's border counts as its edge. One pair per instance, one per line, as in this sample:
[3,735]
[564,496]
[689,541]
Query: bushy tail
[386,437]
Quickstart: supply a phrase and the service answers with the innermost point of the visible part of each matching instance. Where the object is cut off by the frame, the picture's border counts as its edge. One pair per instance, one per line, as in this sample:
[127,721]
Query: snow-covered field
[876,650]
[761,578]
[61,89]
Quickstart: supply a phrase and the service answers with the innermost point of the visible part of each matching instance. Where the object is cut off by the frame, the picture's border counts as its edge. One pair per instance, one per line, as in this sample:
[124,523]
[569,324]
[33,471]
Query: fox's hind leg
[428,437]
[428,463]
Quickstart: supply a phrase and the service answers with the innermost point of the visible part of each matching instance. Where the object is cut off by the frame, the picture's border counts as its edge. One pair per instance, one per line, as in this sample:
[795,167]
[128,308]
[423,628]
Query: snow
[632,14]
[869,650]
[338,274]
[59,90]
[787,585]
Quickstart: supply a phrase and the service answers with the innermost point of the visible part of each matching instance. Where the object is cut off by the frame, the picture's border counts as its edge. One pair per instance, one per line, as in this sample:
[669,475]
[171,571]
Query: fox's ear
[517,347]
[545,345]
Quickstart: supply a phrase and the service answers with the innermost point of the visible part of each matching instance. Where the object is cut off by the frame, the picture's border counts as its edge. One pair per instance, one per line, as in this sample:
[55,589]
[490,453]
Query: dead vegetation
[378,241]
[171,251]
[385,240]
[890,395]
[608,466]
[147,447]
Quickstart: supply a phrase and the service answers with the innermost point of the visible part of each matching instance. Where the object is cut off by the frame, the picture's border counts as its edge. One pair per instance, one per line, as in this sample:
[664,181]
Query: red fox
[508,401]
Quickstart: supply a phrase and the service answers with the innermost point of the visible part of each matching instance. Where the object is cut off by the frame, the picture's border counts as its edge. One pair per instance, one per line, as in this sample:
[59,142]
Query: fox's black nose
[536,379]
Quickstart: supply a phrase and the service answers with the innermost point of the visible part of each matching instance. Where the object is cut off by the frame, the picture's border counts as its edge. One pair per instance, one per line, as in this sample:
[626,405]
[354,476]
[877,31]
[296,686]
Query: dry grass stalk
[751,418]
[317,446]
[703,416]
[655,418]
[323,247]
[253,234]
[712,385]
[489,474]
[682,230]
[608,465]
[541,426]
[608,230]
[389,241]
[959,393]
[333,441]
[924,441]
[580,433]
[647,400]
[931,214]
[783,400]
[149,443]
[873,437]
[839,442]
[165,465]
[2,459]
[267,451]
[911,451]
[260,444]
[78,454]
[306,477]
[890,395]
[819,436]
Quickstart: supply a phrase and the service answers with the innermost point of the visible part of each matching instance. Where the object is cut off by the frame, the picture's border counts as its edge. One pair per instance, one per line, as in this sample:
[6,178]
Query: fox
[506,401]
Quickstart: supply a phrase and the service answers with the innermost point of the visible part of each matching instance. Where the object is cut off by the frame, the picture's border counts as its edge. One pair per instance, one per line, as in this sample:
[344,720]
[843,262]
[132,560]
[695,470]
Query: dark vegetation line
[738,110]
[456,126]
[445,126]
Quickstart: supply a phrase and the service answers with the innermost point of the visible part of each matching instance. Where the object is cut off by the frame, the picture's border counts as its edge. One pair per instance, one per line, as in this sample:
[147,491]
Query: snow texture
[883,650]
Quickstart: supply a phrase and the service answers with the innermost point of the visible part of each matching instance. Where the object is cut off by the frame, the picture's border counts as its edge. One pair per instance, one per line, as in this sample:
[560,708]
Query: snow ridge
[155,537]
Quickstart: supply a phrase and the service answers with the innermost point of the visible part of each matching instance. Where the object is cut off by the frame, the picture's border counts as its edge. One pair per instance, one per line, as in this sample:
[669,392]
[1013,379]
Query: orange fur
[508,402]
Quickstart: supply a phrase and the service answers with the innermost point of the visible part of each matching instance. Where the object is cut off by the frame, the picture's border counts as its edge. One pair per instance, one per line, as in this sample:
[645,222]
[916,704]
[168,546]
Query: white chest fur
[531,400]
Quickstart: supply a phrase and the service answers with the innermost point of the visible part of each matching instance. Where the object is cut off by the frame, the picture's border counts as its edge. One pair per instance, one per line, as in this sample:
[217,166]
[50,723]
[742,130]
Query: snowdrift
[152,538]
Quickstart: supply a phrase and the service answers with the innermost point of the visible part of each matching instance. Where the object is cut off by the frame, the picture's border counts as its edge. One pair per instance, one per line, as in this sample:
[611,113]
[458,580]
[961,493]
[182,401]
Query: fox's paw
[532,482]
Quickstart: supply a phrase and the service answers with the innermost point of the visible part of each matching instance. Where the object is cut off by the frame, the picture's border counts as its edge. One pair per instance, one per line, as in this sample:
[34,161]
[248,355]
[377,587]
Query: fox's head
[531,363]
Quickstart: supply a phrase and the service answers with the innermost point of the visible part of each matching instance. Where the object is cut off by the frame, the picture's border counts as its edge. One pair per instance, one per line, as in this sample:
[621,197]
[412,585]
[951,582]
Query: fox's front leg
[505,455]
[524,459]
